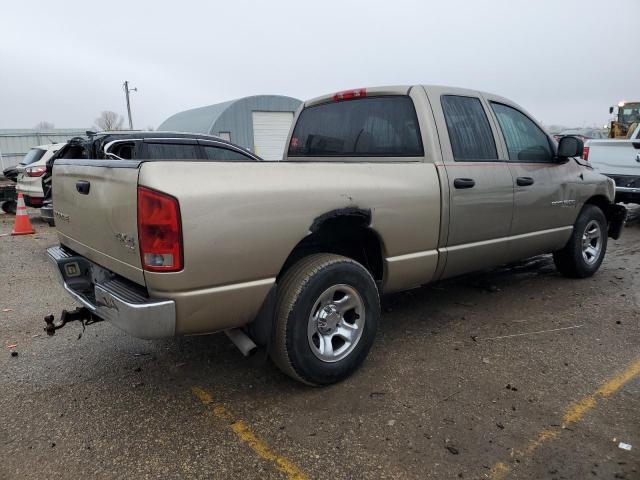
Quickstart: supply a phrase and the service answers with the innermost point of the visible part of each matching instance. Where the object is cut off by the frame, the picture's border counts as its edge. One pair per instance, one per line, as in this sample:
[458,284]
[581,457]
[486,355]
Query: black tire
[571,261]
[9,207]
[300,290]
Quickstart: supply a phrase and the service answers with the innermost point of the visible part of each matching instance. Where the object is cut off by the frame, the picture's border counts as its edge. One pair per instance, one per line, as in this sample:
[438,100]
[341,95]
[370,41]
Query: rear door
[480,184]
[546,191]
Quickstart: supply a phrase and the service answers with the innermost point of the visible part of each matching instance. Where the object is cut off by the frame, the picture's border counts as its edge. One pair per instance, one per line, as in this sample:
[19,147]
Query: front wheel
[326,318]
[583,254]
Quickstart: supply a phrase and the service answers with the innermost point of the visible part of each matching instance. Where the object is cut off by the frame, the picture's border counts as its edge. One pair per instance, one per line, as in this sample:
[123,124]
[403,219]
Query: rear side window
[33,156]
[372,126]
[526,142]
[172,151]
[225,155]
[469,131]
[124,150]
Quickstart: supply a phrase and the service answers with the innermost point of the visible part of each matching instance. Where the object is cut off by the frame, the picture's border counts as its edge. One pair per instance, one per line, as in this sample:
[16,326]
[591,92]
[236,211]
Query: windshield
[33,156]
[630,113]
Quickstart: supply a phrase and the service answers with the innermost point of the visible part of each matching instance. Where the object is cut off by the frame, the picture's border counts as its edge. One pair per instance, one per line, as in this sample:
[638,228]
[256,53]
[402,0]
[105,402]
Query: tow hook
[80,314]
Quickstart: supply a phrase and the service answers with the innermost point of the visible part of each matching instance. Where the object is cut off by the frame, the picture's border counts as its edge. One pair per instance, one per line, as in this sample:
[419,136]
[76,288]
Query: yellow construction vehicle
[628,114]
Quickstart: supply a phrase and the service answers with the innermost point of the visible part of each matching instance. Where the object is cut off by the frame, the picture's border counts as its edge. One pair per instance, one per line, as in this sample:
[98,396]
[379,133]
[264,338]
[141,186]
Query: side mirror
[570,147]
[610,109]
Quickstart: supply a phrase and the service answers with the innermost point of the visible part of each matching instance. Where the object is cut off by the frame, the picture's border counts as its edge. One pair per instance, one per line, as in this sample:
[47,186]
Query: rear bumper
[627,187]
[32,189]
[626,183]
[113,298]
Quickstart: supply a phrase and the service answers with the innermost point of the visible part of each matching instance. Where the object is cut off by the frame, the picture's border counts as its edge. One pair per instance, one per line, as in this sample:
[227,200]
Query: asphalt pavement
[516,372]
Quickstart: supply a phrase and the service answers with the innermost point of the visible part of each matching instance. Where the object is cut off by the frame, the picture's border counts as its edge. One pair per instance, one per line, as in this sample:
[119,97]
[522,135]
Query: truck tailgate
[95,209]
[618,157]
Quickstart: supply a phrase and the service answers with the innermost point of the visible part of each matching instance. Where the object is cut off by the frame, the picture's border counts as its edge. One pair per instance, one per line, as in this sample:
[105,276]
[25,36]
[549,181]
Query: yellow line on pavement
[499,471]
[578,409]
[573,414]
[247,437]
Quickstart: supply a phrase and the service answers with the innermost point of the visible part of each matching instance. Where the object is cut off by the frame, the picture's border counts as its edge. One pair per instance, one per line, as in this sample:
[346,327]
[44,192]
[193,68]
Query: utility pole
[126,88]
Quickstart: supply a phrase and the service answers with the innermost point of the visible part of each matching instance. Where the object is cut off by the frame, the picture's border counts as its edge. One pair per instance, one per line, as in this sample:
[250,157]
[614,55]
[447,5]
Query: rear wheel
[9,207]
[327,315]
[583,254]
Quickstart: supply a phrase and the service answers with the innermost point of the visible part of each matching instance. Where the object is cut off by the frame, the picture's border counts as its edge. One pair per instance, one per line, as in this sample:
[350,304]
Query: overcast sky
[64,62]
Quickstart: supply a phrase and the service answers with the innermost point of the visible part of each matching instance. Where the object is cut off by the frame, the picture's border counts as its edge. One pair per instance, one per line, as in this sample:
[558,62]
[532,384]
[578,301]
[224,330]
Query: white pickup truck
[619,160]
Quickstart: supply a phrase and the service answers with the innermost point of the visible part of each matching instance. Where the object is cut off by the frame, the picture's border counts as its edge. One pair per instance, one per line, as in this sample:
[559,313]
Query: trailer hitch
[80,314]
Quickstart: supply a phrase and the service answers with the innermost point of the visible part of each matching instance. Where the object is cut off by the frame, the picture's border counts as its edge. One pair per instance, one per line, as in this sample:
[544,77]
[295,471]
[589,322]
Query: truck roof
[388,90]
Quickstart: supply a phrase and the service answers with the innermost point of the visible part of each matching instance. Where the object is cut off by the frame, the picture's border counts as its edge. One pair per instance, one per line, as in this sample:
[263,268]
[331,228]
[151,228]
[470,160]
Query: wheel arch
[599,201]
[345,231]
[614,213]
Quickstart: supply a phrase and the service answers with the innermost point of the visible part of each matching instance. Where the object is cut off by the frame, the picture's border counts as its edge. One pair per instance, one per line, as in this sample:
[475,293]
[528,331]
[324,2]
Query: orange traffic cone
[22,225]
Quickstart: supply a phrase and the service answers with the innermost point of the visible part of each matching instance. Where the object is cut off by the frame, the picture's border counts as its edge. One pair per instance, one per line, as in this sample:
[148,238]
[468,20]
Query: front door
[545,204]
[480,184]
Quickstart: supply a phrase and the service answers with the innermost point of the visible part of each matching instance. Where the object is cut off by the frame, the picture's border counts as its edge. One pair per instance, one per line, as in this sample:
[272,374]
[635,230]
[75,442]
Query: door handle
[82,186]
[464,183]
[524,181]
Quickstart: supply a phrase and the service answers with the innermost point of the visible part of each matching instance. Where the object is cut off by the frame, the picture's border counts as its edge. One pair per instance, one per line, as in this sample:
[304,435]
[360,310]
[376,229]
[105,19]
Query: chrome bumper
[112,298]
[627,190]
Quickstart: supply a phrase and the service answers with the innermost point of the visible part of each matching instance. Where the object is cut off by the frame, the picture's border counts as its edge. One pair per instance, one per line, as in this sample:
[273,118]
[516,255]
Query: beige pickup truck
[380,190]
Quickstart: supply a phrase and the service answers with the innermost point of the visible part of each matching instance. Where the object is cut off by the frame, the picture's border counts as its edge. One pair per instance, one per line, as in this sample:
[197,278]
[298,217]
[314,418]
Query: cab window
[384,126]
[526,142]
[469,130]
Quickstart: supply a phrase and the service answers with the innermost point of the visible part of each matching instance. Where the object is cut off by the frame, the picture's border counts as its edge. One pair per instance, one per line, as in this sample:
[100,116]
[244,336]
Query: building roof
[198,120]
[204,119]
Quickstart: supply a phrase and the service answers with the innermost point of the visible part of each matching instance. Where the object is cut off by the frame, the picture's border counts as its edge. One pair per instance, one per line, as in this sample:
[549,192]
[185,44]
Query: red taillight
[159,231]
[585,153]
[35,171]
[349,94]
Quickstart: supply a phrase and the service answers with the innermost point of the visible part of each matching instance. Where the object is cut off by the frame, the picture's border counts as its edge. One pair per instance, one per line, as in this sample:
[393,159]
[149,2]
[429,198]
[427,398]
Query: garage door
[270,130]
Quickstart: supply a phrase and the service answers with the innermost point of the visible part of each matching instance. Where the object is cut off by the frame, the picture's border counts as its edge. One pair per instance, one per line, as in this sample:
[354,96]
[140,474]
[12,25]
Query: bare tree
[109,120]
[44,125]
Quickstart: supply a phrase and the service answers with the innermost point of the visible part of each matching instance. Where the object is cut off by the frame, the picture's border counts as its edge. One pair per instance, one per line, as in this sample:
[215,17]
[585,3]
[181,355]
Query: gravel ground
[450,390]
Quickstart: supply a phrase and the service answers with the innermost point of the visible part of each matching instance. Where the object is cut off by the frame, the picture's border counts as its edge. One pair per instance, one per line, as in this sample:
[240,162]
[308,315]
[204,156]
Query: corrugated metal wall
[233,117]
[237,118]
[15,143]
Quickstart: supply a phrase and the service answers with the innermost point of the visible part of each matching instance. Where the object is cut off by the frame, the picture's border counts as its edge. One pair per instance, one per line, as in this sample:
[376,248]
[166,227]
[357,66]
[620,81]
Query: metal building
[259,123]
[16,143]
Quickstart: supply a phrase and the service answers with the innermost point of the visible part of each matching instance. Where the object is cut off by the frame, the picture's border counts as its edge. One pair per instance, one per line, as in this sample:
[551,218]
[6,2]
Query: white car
[620,160]
[31,170]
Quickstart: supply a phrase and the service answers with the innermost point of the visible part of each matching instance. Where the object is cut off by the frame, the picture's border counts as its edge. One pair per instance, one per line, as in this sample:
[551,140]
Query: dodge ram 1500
[380,190]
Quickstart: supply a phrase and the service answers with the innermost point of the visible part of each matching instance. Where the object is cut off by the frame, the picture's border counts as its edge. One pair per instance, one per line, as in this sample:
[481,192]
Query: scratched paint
[246,436]
[573,414]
